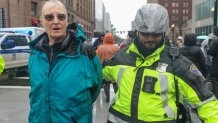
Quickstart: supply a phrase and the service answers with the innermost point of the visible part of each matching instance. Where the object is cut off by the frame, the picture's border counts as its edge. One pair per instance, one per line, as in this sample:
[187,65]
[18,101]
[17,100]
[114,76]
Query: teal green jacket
[65,81]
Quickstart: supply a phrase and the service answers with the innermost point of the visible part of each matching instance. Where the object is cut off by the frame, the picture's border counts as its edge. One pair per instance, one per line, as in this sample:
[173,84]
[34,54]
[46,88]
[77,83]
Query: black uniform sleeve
[188,72]
[213,47]
[202,62]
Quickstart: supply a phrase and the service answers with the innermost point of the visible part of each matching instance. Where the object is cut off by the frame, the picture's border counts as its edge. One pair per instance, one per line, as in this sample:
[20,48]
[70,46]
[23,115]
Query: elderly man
[65,74]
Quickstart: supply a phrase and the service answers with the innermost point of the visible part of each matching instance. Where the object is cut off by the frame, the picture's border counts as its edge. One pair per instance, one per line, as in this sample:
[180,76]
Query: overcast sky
[122,12]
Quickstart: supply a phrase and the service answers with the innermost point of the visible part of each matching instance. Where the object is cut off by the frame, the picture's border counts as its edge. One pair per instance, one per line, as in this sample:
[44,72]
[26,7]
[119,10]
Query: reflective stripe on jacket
[138,102]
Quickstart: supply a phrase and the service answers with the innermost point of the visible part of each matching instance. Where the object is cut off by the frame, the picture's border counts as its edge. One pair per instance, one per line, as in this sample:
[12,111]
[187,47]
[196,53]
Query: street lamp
[172,29]
[213,18]
[212,12]
[212,9]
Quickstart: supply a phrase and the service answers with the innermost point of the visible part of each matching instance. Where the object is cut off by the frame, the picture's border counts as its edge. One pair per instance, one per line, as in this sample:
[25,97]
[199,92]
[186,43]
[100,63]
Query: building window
[185,4]
[203,10]
[185,18]
[174,18]
[185,11]
[80,10]
[175,4]
[166,5]
[77,7]
[69,3]
[33,9]
[175,11]
[204,30]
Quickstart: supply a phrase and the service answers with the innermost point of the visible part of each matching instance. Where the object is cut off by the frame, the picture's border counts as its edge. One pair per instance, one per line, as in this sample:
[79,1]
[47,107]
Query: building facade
[83,12]
[202,16]
[100,13]
[180,11]
[107,23]
[25,13]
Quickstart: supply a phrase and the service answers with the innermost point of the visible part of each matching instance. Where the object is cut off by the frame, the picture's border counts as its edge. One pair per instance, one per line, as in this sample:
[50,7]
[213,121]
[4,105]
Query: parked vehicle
[32,32]
[15,51]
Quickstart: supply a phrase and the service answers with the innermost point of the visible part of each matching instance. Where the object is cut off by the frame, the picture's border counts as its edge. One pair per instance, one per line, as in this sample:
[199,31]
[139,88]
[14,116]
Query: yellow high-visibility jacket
[147,89]
[2,64]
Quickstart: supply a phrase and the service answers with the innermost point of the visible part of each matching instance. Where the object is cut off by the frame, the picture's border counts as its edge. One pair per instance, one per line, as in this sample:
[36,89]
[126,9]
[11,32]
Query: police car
[15,51]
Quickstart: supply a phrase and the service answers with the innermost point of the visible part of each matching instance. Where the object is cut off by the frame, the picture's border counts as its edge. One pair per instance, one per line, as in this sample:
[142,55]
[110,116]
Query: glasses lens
[61,17]
[49,17]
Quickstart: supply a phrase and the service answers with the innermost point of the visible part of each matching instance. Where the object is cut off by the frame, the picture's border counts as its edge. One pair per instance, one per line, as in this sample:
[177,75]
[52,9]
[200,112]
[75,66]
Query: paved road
[14,105]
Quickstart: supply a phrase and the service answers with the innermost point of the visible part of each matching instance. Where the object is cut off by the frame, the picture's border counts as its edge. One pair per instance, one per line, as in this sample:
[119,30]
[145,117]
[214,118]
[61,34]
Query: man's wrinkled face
[54,21]
[150,40]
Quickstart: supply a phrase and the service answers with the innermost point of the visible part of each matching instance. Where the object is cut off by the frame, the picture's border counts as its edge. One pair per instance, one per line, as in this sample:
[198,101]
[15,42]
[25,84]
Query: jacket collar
[155,56]
[69,45]
[134,49]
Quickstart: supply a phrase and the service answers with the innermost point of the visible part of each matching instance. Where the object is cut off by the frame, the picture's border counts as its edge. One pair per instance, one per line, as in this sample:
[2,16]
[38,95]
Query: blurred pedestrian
[129,39]
[180,42]
[106,52]
[98,41]
[65,74]
[151,76]
[213,51]
[204,47]
[194,52]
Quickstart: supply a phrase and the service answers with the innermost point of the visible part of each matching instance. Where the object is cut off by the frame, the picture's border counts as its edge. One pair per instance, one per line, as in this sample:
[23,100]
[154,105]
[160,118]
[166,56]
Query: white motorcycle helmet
[152,19]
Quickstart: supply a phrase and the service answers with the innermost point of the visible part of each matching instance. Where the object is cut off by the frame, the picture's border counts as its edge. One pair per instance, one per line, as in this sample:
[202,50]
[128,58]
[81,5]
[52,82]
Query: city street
[156,51]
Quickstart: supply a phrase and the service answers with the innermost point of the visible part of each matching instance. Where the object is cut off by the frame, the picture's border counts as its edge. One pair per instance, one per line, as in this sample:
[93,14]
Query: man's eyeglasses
[50,17]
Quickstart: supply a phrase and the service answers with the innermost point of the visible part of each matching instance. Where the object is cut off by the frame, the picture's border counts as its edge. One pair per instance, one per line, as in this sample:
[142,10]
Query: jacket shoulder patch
[195,70]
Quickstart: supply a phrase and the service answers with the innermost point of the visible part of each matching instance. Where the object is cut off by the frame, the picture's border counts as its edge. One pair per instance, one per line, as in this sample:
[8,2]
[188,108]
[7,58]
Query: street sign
[2,18]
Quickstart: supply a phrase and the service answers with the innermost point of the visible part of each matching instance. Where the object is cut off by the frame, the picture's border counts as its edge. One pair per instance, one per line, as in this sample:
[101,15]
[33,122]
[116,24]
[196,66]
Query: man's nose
[56,20]
[151,37]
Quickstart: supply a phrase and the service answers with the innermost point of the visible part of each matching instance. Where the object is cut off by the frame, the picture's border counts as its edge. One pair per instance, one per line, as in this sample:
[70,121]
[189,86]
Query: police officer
[145,77]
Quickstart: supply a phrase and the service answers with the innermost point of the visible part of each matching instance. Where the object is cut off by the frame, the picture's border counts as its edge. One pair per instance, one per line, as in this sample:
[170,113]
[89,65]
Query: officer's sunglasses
[50,17]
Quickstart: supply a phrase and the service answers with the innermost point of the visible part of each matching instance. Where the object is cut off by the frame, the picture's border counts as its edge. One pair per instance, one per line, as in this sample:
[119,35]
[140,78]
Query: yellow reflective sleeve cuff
[2,64]
[108,73]
[209,112]
[113,73]
[188,92]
